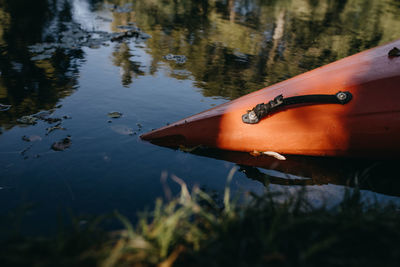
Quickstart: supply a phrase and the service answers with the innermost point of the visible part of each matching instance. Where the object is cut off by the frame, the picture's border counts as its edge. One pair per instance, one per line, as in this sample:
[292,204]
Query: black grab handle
[261,110]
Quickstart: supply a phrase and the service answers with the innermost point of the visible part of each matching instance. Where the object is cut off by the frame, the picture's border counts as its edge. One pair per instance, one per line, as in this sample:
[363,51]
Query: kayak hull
[369,125]
[368,174]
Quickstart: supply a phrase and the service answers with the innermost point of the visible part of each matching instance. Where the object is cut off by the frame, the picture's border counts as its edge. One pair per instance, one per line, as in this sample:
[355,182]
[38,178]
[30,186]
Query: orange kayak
[347,108]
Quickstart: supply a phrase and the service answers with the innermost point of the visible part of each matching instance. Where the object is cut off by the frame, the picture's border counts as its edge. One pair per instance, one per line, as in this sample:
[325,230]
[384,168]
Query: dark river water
[66,64]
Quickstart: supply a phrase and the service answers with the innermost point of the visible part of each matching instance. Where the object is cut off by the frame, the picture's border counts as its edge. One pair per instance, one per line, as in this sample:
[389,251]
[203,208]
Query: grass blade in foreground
[192,230]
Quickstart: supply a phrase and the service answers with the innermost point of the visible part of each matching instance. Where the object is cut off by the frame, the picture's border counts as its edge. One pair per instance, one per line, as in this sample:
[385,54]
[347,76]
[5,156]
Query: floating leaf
[62,144]
[115,114]
[27,120]
[180,59]
[122,129]
[56,127]
[4,107]
[31,138]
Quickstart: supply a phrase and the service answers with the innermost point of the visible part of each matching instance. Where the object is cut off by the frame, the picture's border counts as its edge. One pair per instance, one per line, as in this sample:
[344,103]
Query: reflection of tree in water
[129,68]
[234,47]
[28,85]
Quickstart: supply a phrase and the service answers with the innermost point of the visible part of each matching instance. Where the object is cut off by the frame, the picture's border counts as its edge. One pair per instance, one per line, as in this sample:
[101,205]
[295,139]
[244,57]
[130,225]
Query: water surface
[57,57]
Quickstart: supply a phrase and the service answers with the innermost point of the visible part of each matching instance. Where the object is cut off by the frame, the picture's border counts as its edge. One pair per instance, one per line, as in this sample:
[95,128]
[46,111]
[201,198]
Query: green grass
[194,230]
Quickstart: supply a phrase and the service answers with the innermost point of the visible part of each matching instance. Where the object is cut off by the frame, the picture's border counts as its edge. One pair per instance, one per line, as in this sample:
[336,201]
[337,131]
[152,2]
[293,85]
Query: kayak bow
[347,108]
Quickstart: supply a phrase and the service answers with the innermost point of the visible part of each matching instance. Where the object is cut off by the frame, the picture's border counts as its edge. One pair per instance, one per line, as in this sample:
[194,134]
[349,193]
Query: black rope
[261,110]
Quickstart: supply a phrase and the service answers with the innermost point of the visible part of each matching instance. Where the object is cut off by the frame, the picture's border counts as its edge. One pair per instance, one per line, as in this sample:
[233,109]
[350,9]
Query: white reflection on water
[90,21]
